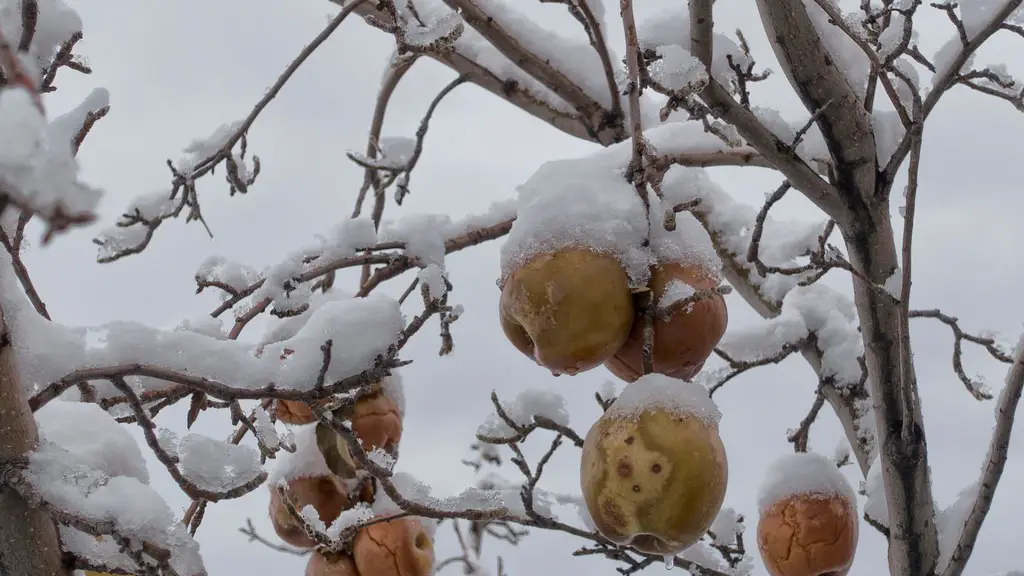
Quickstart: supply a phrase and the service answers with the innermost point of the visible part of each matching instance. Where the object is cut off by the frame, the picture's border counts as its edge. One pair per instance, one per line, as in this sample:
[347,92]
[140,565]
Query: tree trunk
[913,542]
[28,536]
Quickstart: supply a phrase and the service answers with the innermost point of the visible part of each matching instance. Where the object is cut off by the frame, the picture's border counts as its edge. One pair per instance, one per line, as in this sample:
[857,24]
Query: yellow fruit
[569,311]
[809,524]
[400,547]
[331,565]
[685,340]
[654,470]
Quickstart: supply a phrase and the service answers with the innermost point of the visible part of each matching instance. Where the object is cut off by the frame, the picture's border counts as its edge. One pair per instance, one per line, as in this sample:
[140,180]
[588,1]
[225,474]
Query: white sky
[177,70]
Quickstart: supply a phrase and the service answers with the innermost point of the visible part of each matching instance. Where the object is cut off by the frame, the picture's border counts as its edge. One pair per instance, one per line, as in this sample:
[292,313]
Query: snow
[945,56]
[816,309]
[889,131]
[572,57]
[472,46]
[551,216]
[381,458]
[216,465]
[284,328]
[305,462]
[94,436]
[202,148]
[675,291]
[423,235]
[727,525]
[522,410]
[657,392]
[875,507]
[731,223]
[362,329]
[434,28]
[393,153]
[69,482]
[803,473]
[415,491]
[266,432]
[608,390]
[847,57]
[433,278]
[977,15]
[894,284]
[104,551]
[677,70]
[55,25]
[613,219]
[671,27]
[37,164]
[395,389]
[951,520]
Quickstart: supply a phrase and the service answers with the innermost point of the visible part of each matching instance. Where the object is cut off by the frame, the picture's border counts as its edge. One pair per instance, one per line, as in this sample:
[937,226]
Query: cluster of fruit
[401,547]
[654,470]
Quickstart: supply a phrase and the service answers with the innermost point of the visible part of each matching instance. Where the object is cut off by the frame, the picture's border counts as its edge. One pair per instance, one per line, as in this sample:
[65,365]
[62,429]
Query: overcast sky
[177,70]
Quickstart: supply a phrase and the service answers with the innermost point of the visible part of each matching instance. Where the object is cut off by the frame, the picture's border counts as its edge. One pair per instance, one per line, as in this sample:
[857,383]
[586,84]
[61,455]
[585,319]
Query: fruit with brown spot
[808,535]
[331,565]
[400,547]
[570,310]
[683,342]
[656,480]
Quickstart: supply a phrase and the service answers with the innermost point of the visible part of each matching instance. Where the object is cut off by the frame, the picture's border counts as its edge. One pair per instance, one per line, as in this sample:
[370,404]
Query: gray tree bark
[28,537]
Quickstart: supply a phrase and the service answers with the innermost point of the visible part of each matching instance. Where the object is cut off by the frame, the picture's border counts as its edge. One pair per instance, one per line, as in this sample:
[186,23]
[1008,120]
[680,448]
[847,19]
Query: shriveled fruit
[294,412]
[331,565]
[377,421]
[322,492]
[400,547]
[569,311]
[809,524]
[654,470]
[683,342]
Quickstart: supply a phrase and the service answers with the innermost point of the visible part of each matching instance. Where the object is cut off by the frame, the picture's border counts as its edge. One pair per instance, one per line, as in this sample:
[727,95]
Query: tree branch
[780,154]
[998,452]
[28,537]
[825,92]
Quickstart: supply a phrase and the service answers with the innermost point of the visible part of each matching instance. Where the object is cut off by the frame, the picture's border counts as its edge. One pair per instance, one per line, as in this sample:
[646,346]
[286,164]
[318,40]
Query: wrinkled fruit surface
[397,548]
[808,535]
[321,492]
[331,565]
[656,482]
[294,412]
[569,311]
[686,340]
[377,421]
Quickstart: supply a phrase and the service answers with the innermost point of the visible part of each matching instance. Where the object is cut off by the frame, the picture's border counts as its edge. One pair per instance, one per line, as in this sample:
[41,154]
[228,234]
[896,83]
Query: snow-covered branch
[140,220]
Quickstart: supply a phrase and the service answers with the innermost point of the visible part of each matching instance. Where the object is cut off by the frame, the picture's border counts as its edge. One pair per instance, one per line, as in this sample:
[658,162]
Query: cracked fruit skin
[684,342]
[319,491]
[400,547]
[570,310]
[808,535]
[331,565]
[655,482]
